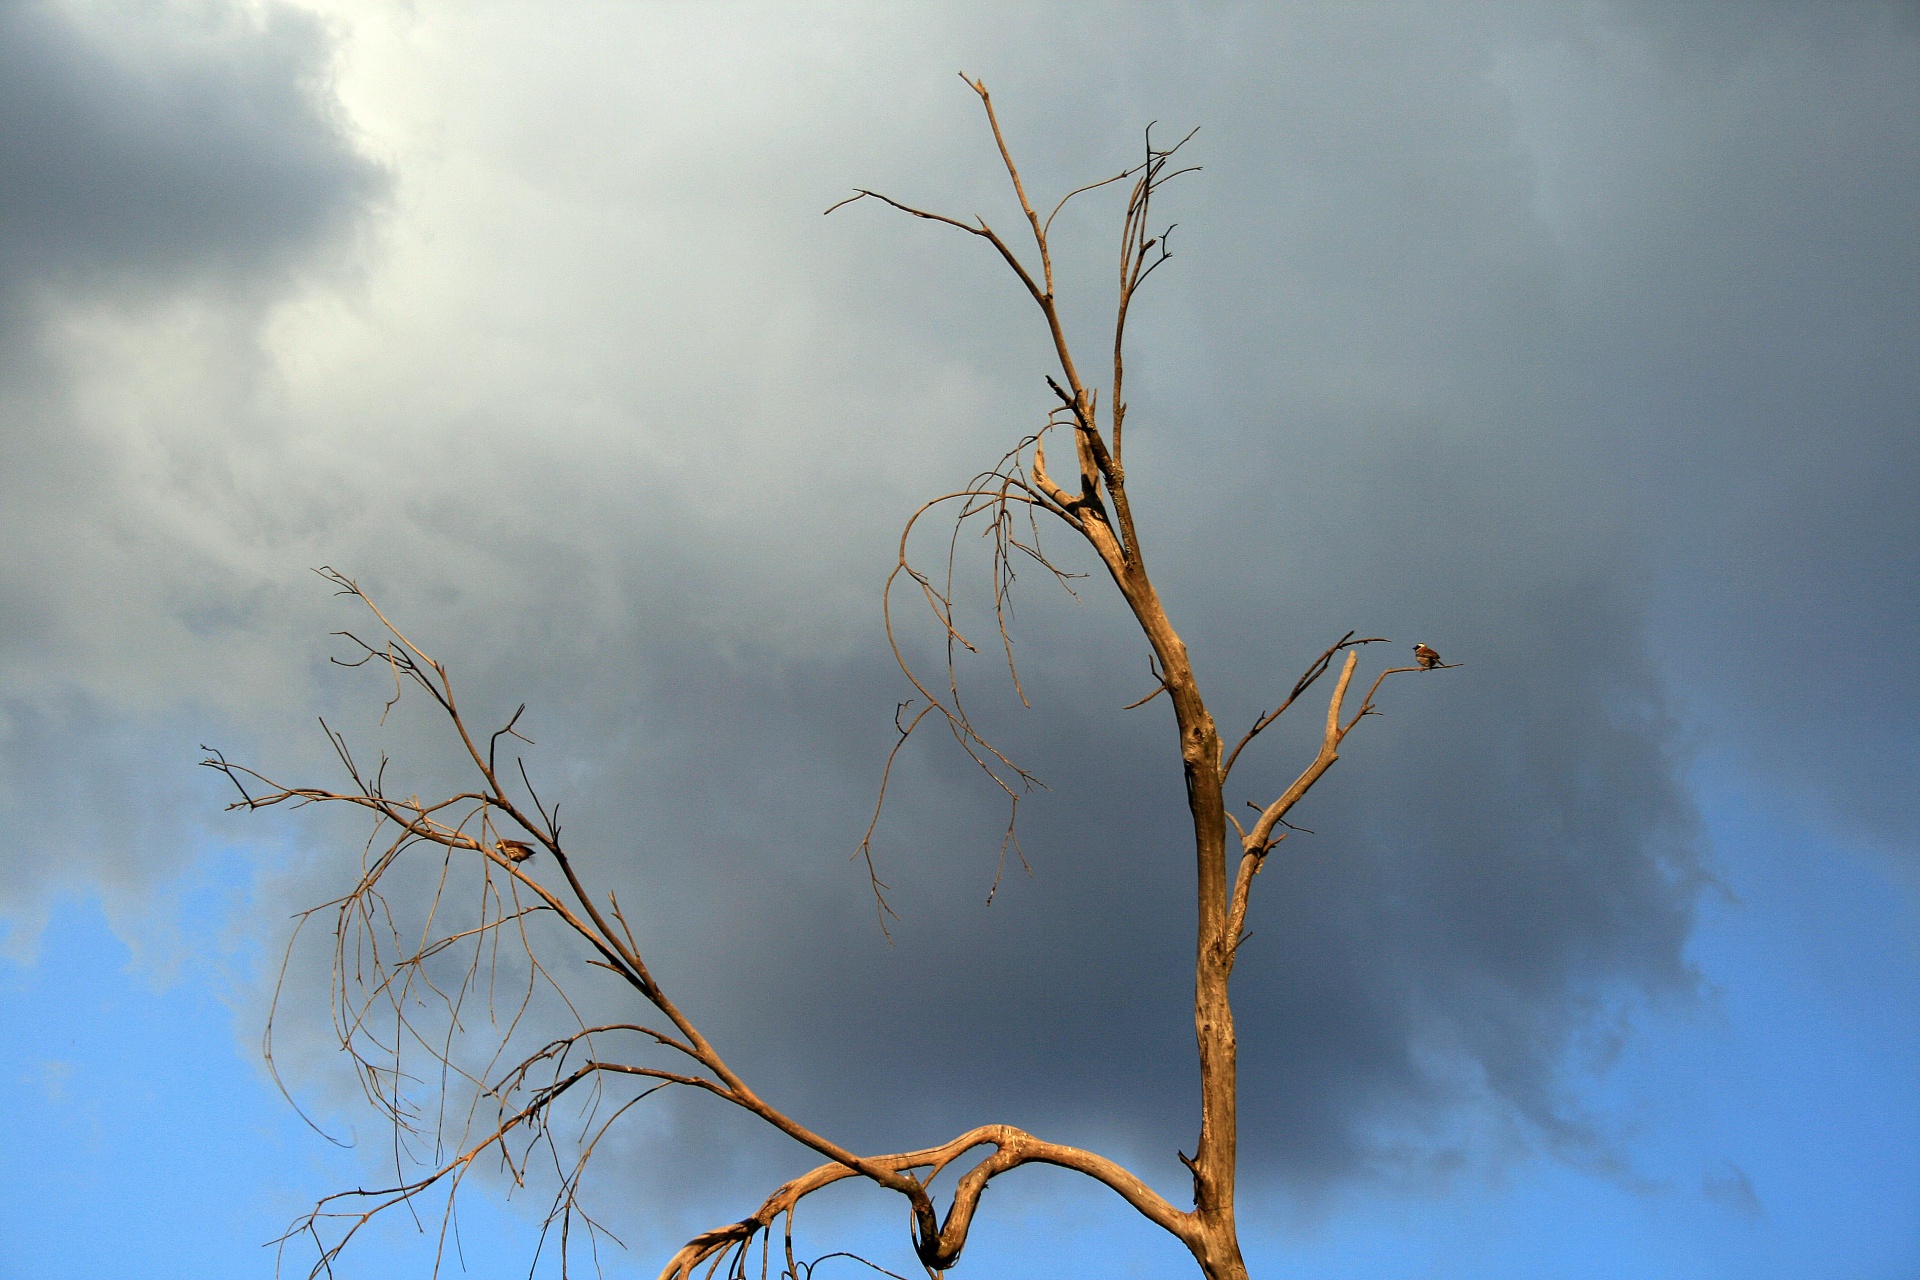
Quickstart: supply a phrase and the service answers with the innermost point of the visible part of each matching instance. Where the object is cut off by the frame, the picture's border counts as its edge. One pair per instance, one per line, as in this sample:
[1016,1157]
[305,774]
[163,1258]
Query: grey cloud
[1458,920]
[644,465]
[1748,313]
[158,146]
[1470,908]
[1473,909]
[159,166]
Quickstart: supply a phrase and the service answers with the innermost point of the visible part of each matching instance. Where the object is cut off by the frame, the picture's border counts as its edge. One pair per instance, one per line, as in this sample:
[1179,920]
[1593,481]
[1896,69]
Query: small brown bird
[1428,658]
[517,851]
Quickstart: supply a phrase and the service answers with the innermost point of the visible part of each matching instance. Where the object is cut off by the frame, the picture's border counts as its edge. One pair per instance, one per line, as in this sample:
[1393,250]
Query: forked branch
[1257,842]
[1313,673]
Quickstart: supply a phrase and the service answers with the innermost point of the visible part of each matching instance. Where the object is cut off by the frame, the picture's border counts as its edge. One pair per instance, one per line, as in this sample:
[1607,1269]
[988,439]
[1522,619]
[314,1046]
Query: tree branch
[1314,671]
[939,1249]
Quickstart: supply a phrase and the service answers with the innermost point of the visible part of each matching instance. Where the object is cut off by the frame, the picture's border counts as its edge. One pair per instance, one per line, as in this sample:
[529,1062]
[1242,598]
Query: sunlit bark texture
[449,935]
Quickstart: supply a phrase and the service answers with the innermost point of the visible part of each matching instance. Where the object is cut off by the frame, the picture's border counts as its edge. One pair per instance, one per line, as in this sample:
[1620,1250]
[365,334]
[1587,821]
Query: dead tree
[412,979]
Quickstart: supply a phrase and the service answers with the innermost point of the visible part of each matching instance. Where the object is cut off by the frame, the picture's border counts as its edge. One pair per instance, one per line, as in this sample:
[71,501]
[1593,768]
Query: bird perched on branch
[1428,658]
[517,851]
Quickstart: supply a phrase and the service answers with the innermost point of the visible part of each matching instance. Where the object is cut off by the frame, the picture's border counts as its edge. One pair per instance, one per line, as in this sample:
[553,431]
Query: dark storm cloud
[1413,423]
[1463,916]
[1764,293]
[1495,866]
[159,146]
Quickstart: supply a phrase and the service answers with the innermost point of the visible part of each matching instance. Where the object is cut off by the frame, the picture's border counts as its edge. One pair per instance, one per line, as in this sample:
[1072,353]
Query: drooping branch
[995,494]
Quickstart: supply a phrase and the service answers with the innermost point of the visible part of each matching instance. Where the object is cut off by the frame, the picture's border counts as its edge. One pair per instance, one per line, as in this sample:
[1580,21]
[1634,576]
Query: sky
[1577,340]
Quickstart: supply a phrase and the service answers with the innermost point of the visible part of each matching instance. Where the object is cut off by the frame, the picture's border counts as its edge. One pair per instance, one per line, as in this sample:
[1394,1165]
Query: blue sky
[159,1148]
[1575,339]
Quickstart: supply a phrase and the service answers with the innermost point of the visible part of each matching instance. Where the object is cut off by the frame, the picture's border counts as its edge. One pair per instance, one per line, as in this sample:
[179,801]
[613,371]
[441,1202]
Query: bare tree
[448,937]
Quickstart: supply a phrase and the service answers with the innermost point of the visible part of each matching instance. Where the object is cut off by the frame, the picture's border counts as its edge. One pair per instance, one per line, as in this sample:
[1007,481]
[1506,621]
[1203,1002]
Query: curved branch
[940,1249]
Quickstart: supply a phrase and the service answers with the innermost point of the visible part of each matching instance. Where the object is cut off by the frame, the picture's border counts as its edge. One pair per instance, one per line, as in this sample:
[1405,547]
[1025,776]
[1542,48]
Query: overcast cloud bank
[1577,343]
